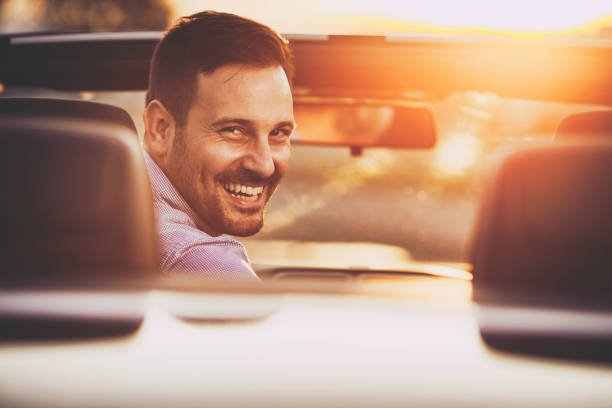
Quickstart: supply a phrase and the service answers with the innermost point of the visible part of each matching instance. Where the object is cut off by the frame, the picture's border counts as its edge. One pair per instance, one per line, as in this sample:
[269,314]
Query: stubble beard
[244,228]
[243,222]
[237,221]
[211,204]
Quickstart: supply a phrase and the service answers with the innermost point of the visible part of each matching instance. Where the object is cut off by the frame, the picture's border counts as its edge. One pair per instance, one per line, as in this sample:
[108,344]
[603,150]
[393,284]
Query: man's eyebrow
[287,123]
[225,121]
[249,123]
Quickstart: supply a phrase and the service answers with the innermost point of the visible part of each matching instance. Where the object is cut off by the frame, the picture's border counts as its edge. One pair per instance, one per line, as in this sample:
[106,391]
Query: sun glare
[516,17]
[498,17]
[457,153]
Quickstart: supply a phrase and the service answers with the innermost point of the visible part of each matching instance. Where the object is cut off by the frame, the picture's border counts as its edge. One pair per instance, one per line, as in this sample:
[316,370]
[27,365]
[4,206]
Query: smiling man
[218,119]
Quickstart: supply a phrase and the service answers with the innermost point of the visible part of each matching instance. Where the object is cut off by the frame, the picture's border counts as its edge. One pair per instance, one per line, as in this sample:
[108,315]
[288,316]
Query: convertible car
[443,236]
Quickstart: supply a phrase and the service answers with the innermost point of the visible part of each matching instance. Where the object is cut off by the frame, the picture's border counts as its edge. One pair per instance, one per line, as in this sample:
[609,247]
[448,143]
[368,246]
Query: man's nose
[259,158]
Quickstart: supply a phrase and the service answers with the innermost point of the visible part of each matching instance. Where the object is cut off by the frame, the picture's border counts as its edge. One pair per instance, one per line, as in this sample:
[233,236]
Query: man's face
[233,150]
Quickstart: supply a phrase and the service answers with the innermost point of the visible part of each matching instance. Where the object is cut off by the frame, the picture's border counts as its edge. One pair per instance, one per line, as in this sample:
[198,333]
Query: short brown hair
[203,42]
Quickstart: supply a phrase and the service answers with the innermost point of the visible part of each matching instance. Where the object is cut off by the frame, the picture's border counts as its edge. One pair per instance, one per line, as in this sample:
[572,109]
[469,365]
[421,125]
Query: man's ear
[160,129]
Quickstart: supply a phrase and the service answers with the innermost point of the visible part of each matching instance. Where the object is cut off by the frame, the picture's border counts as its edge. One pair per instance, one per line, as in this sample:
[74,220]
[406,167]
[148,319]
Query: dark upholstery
[546,222]
[585,126]
[76,200]
[60,108]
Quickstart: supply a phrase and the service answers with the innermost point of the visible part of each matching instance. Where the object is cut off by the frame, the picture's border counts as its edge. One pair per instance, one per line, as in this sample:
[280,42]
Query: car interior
[110,229]
[544,215]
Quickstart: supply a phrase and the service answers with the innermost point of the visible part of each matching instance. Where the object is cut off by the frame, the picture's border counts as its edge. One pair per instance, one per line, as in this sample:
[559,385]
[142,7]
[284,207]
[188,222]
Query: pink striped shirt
[184,247]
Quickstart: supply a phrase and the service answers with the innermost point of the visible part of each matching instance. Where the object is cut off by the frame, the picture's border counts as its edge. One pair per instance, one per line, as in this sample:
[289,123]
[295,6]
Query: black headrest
[546,221]
[76,200]
[585,125]
[60,108]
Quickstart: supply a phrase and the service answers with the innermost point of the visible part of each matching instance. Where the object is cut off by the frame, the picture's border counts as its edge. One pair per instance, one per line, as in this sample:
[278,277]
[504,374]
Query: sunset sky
[519,17]
[522,18]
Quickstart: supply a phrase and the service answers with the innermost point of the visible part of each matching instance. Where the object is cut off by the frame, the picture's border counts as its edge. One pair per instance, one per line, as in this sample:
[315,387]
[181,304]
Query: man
[218,119]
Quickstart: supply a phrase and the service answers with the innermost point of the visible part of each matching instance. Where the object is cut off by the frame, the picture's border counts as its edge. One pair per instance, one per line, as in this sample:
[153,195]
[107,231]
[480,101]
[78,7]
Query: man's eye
[281,133]
[233,132]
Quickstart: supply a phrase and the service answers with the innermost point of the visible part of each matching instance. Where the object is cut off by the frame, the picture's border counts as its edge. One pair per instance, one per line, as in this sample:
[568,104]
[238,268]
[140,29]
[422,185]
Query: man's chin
[244,228]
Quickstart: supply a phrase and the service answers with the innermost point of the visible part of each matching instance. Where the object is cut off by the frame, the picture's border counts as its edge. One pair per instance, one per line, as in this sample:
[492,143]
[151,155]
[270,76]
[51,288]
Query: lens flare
[456,153]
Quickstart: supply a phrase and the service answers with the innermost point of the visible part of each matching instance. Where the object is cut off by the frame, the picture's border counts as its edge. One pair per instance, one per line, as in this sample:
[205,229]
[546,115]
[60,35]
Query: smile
[243,192]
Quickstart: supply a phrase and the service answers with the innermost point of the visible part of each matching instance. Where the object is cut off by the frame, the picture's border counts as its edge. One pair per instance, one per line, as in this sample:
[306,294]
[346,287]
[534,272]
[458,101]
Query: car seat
[54,108]
[585,126]
[541,253]
[76,197]
[545,223]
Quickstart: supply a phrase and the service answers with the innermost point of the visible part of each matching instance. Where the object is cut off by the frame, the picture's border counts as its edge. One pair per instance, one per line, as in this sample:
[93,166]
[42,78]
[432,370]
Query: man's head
[219,115]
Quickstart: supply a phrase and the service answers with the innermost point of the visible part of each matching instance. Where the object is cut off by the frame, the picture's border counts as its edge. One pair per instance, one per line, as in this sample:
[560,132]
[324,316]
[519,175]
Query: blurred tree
[91,15]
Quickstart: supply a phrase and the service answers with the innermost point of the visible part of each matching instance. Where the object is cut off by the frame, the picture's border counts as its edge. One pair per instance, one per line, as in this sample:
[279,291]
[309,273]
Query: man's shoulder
[186,234]
[187,249]
[184,246]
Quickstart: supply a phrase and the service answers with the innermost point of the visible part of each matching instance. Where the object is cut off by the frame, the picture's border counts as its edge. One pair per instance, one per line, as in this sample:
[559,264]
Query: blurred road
[383,197]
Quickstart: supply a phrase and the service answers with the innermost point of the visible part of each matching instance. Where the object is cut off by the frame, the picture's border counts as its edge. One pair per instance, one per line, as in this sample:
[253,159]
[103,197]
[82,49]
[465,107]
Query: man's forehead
[231,84]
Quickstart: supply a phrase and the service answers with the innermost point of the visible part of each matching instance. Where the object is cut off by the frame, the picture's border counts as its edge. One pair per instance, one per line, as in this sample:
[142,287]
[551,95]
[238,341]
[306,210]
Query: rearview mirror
[360,124]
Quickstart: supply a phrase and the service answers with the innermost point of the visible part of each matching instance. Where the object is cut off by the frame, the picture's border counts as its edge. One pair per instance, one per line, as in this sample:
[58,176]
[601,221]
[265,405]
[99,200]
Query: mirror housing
[359,124]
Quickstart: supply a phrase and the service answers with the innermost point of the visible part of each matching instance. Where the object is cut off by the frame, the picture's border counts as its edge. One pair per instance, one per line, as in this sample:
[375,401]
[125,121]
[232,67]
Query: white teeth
[243,192]
[246,198]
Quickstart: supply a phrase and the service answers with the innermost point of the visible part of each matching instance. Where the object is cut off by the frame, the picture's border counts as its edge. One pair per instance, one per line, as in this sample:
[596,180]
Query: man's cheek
[282,161]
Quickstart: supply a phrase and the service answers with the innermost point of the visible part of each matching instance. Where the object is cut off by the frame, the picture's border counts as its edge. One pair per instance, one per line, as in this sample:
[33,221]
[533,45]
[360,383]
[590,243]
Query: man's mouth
[243,191]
